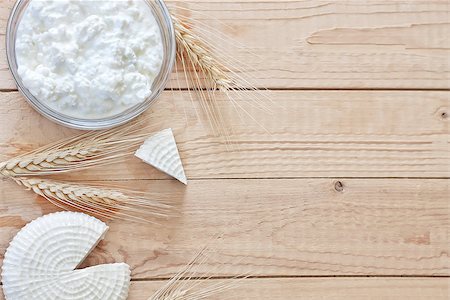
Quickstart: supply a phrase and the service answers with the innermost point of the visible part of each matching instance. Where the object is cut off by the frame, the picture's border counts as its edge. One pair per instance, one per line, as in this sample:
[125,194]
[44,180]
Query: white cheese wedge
[161,152]
[40,261]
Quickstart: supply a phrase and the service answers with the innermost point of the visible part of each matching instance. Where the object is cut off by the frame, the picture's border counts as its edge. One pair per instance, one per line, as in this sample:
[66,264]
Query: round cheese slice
[41,260]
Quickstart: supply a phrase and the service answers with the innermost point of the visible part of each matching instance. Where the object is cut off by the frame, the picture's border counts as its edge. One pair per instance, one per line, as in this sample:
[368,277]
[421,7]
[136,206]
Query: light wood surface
[347,177]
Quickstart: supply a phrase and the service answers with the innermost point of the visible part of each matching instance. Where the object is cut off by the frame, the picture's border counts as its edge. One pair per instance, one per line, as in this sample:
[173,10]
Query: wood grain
[321,44]
[275,227]
[310,134]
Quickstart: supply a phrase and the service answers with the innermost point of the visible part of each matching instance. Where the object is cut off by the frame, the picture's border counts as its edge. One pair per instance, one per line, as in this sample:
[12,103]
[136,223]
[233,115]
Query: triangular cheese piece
[161,152]
[40,261]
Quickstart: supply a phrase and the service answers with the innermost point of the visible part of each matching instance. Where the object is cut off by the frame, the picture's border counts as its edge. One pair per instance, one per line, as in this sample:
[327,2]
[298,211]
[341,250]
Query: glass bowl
[162,16]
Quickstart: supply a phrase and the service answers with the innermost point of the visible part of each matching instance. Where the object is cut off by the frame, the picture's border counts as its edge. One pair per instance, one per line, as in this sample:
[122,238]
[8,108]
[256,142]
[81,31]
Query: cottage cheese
[89,59]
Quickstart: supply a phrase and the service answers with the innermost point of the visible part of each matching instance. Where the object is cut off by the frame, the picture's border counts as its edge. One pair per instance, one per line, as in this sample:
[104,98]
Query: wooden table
[346,198]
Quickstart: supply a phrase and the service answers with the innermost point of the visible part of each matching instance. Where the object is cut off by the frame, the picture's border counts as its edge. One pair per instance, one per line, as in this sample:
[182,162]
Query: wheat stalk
[186,286]
[76,153]
[104,202]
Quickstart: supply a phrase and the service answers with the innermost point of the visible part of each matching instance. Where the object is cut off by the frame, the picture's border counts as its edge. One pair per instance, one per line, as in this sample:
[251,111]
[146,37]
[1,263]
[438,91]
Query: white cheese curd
[89,59]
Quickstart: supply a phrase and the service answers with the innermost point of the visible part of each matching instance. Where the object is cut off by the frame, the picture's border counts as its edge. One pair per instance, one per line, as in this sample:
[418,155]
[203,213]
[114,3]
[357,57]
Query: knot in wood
[339,186]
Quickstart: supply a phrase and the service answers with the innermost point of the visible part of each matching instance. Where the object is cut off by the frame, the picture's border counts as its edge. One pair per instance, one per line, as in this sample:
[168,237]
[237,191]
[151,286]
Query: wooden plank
[276,227]
[319,289]
[324,288]
[322,44]
[310,134]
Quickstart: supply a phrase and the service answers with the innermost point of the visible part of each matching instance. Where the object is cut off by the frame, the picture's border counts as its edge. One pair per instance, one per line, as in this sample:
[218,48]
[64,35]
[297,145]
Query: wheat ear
[198,56]
[194,55]
[104,202]
[75,153]
[185,285]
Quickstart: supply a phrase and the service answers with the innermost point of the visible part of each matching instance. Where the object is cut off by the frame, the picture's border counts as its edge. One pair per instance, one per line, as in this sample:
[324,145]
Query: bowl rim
[169,44]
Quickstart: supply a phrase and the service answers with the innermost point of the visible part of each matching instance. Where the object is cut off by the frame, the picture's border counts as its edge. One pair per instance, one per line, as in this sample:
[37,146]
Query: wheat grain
[53,161]
[104,202]
[195,49]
